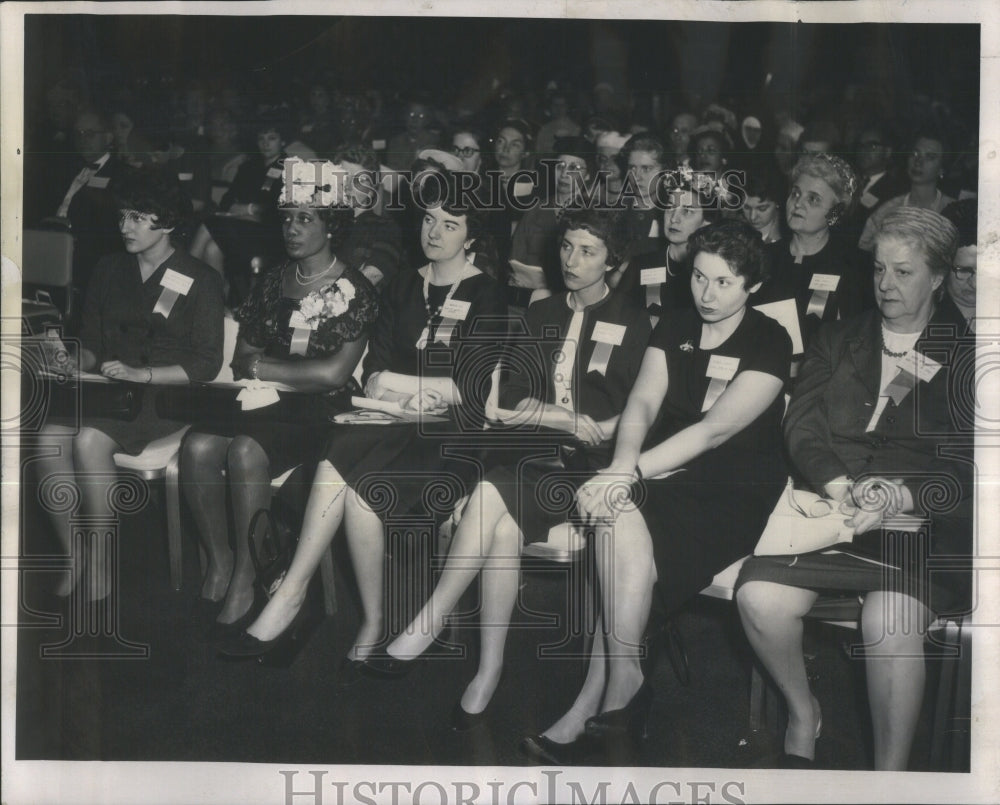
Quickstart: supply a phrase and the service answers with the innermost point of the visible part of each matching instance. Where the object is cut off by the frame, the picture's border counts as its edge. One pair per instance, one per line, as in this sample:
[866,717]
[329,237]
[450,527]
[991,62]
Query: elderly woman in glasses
[962,279]
[867,426]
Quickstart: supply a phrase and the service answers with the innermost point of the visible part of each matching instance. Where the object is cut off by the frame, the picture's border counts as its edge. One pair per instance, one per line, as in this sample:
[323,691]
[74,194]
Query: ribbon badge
[174,284]
[608,336]
[721,370]
[452,312]
[653,279]
[301,332]
[912,369]
[822,285]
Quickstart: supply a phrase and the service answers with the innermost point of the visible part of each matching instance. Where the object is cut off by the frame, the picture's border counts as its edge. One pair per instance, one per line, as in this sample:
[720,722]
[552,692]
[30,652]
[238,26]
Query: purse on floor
[272,540]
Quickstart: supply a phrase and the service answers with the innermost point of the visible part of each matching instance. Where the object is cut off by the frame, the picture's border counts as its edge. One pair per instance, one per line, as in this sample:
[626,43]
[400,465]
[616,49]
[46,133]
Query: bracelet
[150,378]
[638,473]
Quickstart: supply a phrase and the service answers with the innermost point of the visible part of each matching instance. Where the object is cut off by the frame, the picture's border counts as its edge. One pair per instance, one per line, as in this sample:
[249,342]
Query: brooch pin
[687,346]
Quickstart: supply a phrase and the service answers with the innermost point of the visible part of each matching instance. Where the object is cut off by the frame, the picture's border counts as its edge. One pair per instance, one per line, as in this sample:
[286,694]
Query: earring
[328,236]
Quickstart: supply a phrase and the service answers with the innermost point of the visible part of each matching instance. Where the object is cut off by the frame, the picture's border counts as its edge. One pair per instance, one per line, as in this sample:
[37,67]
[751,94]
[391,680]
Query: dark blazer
[835,397]
[93,218]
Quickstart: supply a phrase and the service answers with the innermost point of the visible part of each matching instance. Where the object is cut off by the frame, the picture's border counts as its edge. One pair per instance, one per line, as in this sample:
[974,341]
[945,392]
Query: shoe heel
[284,654]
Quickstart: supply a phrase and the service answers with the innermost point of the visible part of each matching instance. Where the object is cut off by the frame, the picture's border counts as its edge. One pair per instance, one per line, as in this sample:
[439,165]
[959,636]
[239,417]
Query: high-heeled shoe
[462,720]
[222,632]
[540,749]
[280,650]
[383,665]
[632,719]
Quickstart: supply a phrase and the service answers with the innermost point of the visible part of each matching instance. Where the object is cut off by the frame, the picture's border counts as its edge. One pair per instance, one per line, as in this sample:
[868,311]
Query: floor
[167,696]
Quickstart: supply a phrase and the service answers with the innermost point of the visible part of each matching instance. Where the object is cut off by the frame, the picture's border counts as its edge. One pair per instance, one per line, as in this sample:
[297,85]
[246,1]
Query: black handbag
[272,539]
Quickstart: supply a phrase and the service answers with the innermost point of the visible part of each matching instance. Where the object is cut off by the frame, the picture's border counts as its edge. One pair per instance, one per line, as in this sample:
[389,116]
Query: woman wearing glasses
[962,278]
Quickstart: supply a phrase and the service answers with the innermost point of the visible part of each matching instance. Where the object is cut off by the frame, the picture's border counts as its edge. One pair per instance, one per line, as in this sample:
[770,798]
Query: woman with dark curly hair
[696,469]
[305,325]
[152,316]
[606,334]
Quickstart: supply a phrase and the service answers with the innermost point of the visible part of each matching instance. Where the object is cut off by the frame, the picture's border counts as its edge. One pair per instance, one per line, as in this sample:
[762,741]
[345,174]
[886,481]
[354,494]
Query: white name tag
[185,177]
[607,333]
[297,321]
[653,276]
[926,367]
[654,229]
[824,282]
[455,309]
[274,173]
[98,182]
[522,189]
[176,282]
[868,200]
[722,368]
[378,145]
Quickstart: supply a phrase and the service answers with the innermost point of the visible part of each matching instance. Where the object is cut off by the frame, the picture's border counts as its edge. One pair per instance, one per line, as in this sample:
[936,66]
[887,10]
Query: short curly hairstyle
[605,224]
[155,191]
[737,243]
[836,173]
[932,233]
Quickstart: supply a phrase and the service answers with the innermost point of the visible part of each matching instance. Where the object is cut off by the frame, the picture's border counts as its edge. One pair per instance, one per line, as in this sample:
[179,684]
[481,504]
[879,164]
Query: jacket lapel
[865,350]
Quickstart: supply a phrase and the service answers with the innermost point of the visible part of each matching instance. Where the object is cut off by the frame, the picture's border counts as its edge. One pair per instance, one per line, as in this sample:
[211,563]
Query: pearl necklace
[885,350]
[302,279]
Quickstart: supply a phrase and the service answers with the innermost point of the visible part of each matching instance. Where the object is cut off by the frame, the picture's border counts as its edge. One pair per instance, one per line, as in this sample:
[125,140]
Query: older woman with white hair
[867,428]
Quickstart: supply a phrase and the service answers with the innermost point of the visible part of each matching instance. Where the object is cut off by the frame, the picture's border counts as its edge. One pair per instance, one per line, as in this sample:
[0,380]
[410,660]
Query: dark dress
[790,280]
[537,491]
[712,512]
[118,323]
[264,324]
[394,467]
[655,296]
[926,439]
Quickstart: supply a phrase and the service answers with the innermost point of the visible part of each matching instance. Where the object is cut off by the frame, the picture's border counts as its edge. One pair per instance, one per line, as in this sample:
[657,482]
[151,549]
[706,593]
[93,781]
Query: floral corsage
[330,300]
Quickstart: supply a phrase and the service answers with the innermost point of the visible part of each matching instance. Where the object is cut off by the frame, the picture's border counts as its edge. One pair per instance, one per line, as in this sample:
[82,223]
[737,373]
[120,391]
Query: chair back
[47,256]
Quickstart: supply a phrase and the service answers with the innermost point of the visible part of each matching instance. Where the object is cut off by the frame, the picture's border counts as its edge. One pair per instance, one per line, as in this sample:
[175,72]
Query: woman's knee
[92,446]
[764,602]
[893,624]
[203,450]
[246,455]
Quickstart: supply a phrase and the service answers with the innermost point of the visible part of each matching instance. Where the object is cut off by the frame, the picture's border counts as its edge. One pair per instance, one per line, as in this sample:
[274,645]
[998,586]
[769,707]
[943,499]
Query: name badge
[522,189]
[177,282]
[868,200]
[274,172]
[721,367]
[654,229]
[455,309]
[297,321]
[185,177]
[824,282]
[378,145]
[607,333]
[653,276]
[98,182]
[926,367]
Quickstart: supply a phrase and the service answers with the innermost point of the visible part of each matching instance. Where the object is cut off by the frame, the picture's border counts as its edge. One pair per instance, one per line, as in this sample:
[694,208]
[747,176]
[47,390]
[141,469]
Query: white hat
[443,158]
[611,139]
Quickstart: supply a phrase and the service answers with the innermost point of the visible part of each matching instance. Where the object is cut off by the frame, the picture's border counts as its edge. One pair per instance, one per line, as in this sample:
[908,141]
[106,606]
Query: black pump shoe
[383,665]
[542,750]
[463,721]
[280,650]
[629,720]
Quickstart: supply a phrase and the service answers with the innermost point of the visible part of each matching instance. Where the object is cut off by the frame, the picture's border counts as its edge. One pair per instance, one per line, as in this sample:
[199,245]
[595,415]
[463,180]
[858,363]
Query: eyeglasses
[464,151]
[963,273]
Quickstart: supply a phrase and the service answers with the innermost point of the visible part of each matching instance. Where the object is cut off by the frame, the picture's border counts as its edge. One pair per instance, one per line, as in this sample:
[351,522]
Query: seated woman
[247,224]
[659,282]
[861,435]
[816,268]
[645,158]
[286,336]
[964,215]
[925,168]
[152,315]
[702,427]
[426,316]
[533,247]
[765,192]
[584,401]
[610,172]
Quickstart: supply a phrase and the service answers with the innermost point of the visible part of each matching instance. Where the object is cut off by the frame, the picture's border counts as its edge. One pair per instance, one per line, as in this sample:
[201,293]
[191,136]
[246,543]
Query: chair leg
[329,587]
[953,690]
[758,693]
[171,481]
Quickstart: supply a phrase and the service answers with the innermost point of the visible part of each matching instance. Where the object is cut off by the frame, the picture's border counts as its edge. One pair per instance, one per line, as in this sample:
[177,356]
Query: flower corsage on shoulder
[328,302]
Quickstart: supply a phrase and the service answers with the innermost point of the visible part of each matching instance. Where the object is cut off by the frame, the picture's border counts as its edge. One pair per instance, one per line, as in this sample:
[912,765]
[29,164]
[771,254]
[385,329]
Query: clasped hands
[871,500]
[424,401]
[602,498]
[117,370]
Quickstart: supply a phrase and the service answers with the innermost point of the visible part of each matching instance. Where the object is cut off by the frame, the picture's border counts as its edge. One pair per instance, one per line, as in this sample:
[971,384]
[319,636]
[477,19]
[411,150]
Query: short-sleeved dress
[404,468]
[121,321]
[264,323]
[666,286]
[712,512]
[536,483]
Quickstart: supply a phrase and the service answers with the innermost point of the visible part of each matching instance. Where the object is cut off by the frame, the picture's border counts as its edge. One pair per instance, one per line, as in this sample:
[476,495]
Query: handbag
[272,539]
[803,522]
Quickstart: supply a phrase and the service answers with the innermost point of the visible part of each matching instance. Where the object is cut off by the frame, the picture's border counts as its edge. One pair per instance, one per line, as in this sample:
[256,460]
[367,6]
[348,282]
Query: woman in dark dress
[816,267]
[152,315]
[426,319]
[305,325]
[645,158]
[662,282]
[702,427]
[874,427]
[607,335]
[247,223]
